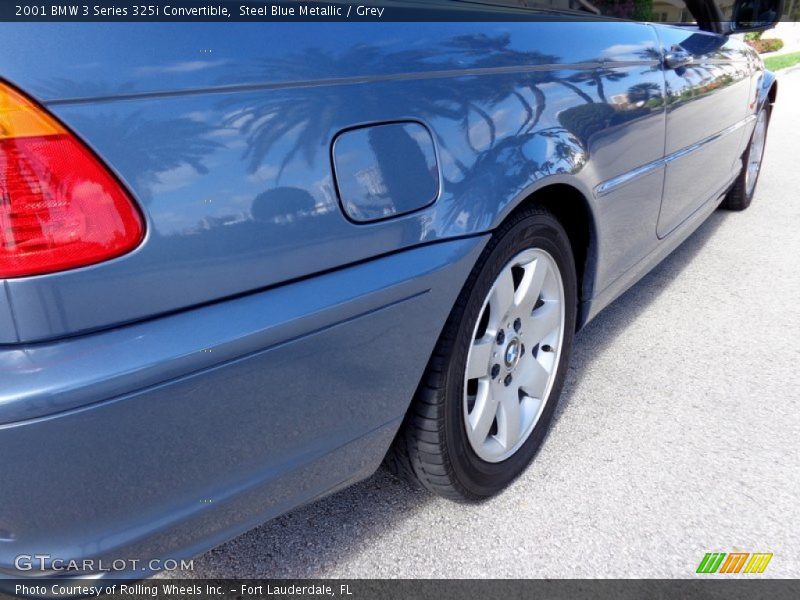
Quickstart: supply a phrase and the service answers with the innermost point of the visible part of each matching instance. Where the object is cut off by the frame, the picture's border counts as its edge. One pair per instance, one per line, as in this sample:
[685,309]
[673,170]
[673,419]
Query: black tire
[432,446]
[737,197]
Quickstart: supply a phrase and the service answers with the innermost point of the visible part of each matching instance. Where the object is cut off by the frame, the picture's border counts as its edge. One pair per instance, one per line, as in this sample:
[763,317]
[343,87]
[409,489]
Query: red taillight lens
[60,208]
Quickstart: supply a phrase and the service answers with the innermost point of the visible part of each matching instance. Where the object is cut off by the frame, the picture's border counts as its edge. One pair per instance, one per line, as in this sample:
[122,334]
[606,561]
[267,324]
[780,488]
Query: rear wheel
[491,387]
[741,194]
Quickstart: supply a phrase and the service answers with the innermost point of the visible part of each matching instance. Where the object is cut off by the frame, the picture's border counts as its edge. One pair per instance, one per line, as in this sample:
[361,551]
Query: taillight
[60,208]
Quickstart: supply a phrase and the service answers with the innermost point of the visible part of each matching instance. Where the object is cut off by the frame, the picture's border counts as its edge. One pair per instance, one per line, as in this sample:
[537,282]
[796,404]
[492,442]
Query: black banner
[255,11]
[297,11]
[366,10]
[403,589]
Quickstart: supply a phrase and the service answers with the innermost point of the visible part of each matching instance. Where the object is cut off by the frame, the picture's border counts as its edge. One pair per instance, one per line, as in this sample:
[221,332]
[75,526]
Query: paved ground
[678,433]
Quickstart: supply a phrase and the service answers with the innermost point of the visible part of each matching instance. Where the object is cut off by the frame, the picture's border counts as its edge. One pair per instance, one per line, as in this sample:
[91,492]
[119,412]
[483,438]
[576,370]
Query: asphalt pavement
[678,432]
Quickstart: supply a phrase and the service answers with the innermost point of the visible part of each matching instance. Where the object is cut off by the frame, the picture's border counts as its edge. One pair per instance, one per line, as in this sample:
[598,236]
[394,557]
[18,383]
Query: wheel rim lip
[530,426]
[753,167]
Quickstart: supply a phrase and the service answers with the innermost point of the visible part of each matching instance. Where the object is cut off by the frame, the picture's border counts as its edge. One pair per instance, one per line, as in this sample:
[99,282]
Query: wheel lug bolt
[507,380]
[547,348]
[495,371]
[501,336]
[517,325]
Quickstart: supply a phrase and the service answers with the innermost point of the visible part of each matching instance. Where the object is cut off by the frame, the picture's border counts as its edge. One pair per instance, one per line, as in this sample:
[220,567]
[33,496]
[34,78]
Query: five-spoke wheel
[512,361]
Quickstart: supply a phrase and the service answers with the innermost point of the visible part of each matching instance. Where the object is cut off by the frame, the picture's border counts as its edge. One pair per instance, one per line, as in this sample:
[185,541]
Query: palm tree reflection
[128,139]
[303,123]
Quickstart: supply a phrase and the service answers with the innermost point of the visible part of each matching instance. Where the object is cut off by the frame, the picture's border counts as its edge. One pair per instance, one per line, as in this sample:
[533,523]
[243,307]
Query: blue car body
[262,344]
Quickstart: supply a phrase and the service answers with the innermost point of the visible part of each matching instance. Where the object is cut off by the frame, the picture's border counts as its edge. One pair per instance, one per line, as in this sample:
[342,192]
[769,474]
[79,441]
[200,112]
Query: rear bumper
[165,438]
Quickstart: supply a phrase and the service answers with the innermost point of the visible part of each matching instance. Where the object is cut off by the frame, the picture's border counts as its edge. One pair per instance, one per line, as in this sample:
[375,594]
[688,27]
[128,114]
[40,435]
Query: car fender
[765,95]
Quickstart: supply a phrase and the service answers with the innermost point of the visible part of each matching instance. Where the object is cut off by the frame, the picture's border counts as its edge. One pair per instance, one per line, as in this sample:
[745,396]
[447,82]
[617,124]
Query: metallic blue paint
[608,187]
[228,152]
[710,96]
[124,433]
[179,372]
[766,83]
[383,170]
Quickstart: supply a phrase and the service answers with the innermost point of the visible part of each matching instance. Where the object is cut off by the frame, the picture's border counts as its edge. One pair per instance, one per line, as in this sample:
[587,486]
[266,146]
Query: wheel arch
[768,92]
[570,205]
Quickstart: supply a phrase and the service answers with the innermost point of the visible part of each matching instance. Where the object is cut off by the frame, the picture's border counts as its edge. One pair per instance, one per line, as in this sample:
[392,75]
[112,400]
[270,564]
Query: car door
[707,86]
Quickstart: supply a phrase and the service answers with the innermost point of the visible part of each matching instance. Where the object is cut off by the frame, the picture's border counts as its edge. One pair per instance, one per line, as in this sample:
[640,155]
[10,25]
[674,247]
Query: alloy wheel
[756,153]
[514,355]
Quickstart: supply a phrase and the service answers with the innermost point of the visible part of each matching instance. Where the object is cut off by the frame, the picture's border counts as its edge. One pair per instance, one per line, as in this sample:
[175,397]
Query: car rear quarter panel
[223,136]
[163,438]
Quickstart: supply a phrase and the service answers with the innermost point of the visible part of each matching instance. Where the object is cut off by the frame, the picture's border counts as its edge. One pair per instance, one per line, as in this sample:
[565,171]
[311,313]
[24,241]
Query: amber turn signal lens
[21,118]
